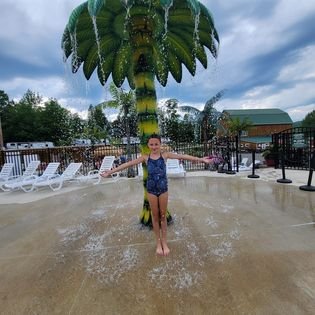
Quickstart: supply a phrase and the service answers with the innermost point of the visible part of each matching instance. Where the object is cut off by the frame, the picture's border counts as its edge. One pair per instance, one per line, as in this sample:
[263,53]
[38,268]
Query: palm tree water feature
[140,41]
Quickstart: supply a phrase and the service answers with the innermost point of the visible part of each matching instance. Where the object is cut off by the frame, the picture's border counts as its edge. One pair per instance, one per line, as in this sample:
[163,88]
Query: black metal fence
[295,147]
[91,156]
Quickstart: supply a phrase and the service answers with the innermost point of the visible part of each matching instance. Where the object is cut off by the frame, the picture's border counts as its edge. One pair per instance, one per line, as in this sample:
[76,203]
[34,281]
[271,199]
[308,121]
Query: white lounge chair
[27,184]
[56,181]
[242,165]
[13,182]
[6,172]
[94,175]
[140,170]
[174,168]
[244,161]
[257,163]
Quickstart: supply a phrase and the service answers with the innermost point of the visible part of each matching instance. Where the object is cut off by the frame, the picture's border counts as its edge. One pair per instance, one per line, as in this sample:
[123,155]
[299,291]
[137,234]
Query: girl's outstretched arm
[123,166]
[170,155]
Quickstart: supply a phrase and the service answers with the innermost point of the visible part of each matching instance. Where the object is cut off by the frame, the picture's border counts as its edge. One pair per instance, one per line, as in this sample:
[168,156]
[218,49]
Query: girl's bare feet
[159,248]
[166,250]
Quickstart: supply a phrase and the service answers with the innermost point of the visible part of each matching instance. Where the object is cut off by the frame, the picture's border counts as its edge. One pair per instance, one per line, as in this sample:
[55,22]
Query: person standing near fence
[157,185]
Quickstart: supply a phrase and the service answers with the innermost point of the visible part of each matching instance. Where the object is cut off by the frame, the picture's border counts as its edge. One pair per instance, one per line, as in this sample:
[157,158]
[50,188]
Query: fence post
[283,180]
[237,142]
[309,186]
[253,175]
[229,170]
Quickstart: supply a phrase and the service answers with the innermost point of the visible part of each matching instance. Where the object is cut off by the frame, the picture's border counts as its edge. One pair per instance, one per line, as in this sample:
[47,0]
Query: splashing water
[97,39]
[223,250]
[177,274]
[166,14]
[73,233]
[109,268]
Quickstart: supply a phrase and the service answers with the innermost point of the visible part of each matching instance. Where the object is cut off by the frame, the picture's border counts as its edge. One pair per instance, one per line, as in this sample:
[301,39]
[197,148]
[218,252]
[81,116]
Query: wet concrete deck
[237,247]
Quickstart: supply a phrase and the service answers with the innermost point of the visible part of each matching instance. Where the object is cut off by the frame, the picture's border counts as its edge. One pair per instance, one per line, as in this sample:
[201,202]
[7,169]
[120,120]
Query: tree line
[31,119]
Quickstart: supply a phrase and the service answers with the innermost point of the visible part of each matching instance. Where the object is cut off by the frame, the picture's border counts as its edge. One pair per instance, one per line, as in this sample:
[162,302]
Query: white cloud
[49,86]
[291,100]
[303,67]
[31,31]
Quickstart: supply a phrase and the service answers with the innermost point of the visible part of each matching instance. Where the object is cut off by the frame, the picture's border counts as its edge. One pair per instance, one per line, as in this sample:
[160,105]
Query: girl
[157,188]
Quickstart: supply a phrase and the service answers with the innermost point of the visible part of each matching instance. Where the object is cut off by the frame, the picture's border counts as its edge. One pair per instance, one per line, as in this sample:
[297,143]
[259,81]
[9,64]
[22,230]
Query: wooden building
[265,122]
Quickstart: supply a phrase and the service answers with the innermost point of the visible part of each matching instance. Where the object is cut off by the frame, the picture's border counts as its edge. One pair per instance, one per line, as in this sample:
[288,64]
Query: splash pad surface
[237,247]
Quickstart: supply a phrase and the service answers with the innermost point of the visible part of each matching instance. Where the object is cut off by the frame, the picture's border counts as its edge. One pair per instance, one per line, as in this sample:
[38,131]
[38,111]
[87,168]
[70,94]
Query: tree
[118,126]
[125,102]
[206,118]
[20,123]
[172,126]
[186,129]
[31,98]
[53,124]
[138,41]
[235,127]
[76,125]
[4,106]
[97,124]
[21,118]
[32,120]
[309,120]
[172,120]
[4,102]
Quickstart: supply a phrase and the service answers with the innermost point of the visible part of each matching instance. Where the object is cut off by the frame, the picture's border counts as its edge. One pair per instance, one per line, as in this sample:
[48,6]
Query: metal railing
[92,156]
[295,146]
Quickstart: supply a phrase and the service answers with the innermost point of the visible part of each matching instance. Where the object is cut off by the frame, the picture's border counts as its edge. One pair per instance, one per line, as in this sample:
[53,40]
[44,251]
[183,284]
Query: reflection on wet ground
[237,247]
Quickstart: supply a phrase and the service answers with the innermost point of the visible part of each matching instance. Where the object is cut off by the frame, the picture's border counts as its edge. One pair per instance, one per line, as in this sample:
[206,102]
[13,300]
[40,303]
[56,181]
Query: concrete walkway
[238,246]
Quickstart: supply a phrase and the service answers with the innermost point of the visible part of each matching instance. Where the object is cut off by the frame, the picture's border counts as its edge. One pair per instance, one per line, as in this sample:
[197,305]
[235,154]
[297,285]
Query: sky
[266,57]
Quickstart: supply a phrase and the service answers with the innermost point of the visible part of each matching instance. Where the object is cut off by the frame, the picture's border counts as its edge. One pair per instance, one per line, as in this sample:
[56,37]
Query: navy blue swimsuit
[157,180]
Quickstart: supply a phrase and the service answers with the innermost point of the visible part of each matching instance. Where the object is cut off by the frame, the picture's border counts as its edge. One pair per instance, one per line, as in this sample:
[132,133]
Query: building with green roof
[265,122]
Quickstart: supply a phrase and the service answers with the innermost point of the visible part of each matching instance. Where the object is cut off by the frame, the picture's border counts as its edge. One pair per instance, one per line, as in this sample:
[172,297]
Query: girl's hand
[105,174]
[207,160]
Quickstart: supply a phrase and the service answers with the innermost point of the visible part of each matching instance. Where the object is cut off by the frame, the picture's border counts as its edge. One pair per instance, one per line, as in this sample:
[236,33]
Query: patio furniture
[56,181]
[5,173]
[27,184]
[174,168]
[243,165]
[94,175]
[140,170]
[244,161]
[13,182]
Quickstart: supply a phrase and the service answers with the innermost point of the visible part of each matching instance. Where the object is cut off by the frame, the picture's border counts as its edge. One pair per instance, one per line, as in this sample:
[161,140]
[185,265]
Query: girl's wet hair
[154,136]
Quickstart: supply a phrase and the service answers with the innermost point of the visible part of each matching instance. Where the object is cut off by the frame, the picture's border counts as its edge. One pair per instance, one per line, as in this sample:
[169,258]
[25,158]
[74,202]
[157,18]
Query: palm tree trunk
[146,105]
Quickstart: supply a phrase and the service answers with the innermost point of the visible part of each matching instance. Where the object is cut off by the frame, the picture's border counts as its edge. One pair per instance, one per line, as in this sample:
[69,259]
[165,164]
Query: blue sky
[266,57]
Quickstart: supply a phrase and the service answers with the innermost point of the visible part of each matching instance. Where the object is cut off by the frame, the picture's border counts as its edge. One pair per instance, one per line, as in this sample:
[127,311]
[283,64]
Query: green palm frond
[97,53]
[175,67]
[159,52]
[73,19]
[121,64]
[182,51]
[97,32]
[105,68]
[94,6]
[66,43]
[201,55]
